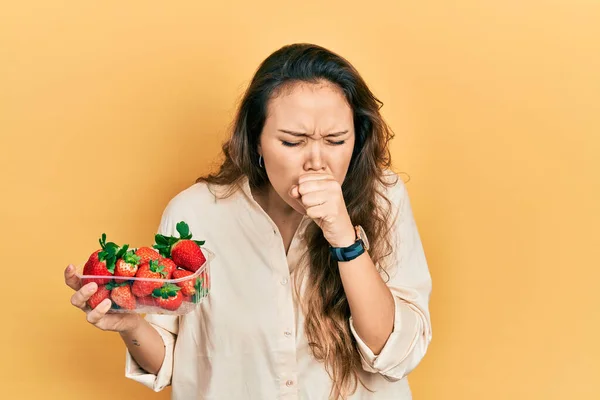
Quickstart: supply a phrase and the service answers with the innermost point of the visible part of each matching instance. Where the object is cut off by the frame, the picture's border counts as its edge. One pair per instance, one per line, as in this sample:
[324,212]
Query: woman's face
[309,128]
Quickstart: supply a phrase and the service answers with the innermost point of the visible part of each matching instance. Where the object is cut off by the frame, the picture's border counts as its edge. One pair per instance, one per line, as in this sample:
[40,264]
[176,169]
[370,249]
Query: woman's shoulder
[197,205]
[195,197]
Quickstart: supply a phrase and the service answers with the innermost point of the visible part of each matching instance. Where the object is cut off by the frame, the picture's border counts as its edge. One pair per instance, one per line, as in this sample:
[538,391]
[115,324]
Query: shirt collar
[245,187]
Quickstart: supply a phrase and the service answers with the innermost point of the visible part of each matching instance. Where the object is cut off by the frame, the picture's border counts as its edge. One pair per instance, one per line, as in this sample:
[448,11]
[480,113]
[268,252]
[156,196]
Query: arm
[390,320]
[151,345]
[366,292]
[147,360]
[145,345]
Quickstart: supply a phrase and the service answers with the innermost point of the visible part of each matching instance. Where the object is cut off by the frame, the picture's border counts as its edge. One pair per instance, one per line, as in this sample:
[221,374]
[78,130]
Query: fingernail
[69,268]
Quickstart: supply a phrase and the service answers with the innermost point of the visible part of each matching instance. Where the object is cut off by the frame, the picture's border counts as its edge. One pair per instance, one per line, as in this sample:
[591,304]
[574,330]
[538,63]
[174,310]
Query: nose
[315,158]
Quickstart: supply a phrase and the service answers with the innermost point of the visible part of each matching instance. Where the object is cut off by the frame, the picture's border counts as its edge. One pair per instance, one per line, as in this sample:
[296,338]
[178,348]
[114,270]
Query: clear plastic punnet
[174,296]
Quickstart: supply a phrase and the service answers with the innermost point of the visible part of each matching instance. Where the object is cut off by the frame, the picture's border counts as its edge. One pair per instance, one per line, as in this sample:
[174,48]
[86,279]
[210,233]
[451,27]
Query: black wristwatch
[354,250]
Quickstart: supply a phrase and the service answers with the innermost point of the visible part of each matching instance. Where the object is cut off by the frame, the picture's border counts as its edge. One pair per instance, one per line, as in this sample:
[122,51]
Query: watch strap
[347,253]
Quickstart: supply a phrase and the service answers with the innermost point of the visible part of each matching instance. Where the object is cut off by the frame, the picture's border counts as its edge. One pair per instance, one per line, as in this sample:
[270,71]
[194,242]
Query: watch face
[360,232]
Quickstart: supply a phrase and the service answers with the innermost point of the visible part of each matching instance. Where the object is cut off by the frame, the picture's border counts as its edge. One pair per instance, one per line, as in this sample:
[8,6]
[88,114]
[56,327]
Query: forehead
[316,102]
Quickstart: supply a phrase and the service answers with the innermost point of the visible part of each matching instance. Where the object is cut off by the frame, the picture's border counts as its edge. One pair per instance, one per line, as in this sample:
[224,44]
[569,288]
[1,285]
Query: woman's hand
[98,317]
[320,194]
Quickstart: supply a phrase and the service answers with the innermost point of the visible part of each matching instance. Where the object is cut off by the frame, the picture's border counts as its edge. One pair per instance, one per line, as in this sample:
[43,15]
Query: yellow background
[108,109]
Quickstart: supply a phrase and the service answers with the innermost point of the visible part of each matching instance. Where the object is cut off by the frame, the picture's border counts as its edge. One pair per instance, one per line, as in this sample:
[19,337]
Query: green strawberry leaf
[163,250]
[199,242]
[184,230]
[103,240]
[115,284]
[160,239]
[196,297]
[155,267]
[111,264]
[122,251]
[131,258]
[166,291]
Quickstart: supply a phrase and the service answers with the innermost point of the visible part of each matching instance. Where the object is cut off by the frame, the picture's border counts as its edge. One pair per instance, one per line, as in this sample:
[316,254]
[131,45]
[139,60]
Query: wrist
[346,240]
[135,324]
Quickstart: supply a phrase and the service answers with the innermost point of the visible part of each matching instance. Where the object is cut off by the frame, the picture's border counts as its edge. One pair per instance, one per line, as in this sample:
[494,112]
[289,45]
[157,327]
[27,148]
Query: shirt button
[289,383]
[284,281]
[287,333]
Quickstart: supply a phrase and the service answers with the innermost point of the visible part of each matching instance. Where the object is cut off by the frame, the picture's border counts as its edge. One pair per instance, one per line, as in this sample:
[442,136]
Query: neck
[275,206]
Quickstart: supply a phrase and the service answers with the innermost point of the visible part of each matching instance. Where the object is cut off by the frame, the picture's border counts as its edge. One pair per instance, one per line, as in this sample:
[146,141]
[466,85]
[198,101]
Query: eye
[288,144]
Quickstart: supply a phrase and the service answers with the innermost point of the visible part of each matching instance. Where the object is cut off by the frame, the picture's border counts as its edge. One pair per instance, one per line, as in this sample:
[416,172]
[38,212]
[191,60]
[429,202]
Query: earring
[260,163]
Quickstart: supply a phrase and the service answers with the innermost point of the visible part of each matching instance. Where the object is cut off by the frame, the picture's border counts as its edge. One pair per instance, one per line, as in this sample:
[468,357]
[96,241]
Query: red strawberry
[168,296]
[188,286]
[100,295]
[187,254]
[127,265]
[152,270]
[94,266]
[102,262]
[169,265]
[123,297]
[146,254]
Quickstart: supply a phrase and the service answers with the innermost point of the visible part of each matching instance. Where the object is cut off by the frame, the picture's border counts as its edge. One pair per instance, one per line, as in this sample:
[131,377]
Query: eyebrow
[304,134]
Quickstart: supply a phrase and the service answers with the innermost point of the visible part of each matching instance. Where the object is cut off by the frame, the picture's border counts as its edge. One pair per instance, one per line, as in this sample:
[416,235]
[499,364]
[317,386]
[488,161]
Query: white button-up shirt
[246,340]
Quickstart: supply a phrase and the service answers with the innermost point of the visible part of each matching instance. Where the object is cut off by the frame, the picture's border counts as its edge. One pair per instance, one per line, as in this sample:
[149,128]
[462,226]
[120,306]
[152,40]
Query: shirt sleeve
[166,325]
[410,284]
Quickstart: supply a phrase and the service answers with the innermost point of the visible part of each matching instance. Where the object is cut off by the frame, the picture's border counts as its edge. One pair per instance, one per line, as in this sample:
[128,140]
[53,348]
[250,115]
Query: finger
[94,316]
[314,199]
[80,297]
[313,186]
[313,177]
[71,278]
[295,200]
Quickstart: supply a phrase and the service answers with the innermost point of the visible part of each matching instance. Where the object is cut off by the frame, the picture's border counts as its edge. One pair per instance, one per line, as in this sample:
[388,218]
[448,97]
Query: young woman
[320,286]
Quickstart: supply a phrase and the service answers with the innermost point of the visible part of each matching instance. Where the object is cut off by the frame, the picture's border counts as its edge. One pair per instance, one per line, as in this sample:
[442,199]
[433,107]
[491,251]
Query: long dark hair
[323,300]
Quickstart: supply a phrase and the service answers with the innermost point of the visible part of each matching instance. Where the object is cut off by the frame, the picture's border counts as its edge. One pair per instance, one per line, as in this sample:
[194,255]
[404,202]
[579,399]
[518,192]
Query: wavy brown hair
[323,300]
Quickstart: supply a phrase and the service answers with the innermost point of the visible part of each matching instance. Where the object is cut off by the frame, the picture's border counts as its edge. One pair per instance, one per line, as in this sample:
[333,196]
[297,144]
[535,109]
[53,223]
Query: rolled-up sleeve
[410,284]
[167,327]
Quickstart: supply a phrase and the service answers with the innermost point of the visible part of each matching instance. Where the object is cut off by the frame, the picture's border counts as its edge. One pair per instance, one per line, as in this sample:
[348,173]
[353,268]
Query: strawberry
[146,254]
[152,270]
[168,296]
[102,262]
[100,295]
[188,286]
[127,265]
[169,265]
[94,266]
[188,255]
[122,296]
[184,251]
